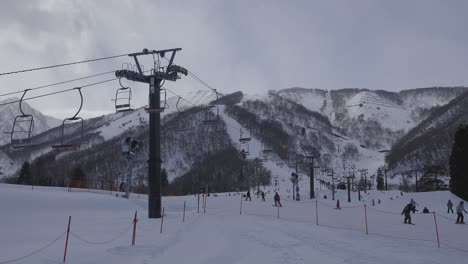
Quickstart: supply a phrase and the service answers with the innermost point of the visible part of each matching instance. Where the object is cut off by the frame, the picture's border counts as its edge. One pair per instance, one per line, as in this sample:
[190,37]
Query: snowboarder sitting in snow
[425,210]
[407,210]
[277,200]
[460,210]
[247,196]
[449,206]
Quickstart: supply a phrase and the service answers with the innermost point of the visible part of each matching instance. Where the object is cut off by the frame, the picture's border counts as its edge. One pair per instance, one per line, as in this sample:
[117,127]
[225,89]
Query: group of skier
[262,193]
[460,210]
[411,207]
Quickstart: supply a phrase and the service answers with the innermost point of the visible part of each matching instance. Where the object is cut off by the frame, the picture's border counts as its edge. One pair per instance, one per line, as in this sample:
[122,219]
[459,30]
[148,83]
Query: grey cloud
[249,45]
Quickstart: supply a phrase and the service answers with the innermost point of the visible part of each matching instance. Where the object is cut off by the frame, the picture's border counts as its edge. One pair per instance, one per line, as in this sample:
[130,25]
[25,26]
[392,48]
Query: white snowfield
[35,221]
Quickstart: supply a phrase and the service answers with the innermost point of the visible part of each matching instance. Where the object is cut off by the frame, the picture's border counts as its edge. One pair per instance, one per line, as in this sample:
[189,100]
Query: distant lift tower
[157,75]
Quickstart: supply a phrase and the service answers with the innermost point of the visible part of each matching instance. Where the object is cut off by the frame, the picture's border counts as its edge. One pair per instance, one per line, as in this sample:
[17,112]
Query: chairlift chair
[264,152]
[162,103]
[244,135]
[211,112]
[123,96]
[262,157]
[265,149]
[280,164]
[210,115]
[76,145]
[244,139]
[23,126]
[181,127]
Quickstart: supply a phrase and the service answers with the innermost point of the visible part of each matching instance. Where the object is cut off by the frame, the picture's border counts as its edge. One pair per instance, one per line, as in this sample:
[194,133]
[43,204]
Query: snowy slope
[282,172]
[369,159]
[101,228]
[369,105]
[396,111]
[120,122]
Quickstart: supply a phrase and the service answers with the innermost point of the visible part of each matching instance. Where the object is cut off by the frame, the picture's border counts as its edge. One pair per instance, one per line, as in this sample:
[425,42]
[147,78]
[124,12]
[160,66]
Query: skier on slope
[277,200]
[247,196]
[449,206]
[263,196]
[407,210]
[460,210]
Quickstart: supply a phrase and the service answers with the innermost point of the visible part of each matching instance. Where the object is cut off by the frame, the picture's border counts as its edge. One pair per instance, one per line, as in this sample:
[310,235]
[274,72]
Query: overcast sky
[253,46]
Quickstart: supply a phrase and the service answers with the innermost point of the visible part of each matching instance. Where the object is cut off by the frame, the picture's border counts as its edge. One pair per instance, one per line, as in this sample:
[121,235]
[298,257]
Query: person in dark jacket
[460,210]
[407,210]
[425,210]
[247,196]
[263,196]
[449,206]
[277,200]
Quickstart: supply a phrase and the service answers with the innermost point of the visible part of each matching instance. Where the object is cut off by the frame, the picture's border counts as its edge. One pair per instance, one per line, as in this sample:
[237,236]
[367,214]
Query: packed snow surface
[101,229]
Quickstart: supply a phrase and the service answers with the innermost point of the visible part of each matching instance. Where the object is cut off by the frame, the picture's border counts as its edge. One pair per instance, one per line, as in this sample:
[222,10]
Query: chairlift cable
[57,83]
[63,64]
[61,91]
[194,76]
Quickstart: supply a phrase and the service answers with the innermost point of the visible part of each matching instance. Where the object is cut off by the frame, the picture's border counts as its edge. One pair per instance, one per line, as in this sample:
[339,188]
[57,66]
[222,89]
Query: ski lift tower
[155,80]
[295,182]
[311,175]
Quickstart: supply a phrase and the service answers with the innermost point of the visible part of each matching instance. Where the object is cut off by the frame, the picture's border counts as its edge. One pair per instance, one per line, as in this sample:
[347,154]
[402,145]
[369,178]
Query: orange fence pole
[162,220]
[135,220]
[204,203]
[316,212]
[365,216]
[241,206]
[437,230]
[183,217]
[66,241]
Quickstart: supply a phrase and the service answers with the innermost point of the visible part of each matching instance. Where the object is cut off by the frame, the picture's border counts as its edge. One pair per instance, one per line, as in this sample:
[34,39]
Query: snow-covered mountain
[394,110]
[430,142]
[102,135]
[347,127]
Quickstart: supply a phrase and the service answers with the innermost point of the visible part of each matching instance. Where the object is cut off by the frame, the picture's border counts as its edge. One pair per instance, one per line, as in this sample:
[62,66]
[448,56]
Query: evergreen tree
[25,174]
[241,178]
[380,180]
[380,183]
[79,178]
[458,164]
